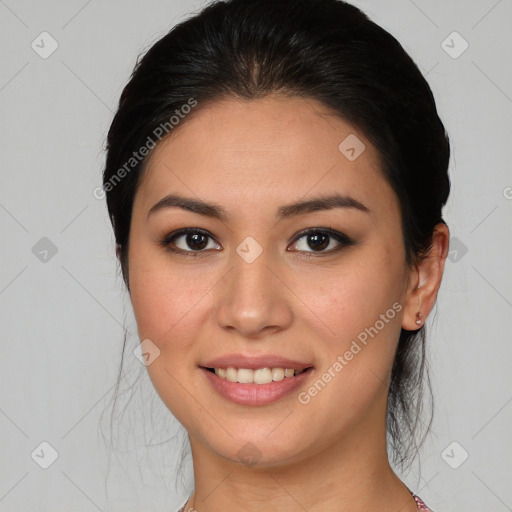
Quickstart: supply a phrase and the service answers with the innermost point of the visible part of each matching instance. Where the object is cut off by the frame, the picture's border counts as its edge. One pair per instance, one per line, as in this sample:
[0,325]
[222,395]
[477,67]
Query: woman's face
[250,288]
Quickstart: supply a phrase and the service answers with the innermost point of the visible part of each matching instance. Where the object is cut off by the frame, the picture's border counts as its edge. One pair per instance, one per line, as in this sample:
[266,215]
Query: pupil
[194,241]
[319,241]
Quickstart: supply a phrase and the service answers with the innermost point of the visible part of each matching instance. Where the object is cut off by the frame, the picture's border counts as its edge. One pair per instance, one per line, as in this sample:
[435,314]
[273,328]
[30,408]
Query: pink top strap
[421,506]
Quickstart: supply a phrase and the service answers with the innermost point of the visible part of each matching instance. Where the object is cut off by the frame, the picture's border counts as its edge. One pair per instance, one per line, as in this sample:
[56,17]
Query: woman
[275,177]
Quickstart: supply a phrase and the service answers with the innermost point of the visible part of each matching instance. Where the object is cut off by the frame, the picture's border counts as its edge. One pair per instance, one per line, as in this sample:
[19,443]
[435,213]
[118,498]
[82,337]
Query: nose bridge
[251,297]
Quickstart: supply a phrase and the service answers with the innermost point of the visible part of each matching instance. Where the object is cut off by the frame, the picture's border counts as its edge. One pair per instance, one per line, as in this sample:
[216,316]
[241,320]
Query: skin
[252,157]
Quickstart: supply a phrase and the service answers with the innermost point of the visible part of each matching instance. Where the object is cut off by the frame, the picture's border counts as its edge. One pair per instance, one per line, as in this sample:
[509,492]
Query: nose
[253,299]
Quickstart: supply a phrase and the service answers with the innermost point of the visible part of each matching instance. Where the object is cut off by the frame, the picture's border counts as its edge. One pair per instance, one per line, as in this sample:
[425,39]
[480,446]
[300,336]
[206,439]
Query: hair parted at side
[325,50]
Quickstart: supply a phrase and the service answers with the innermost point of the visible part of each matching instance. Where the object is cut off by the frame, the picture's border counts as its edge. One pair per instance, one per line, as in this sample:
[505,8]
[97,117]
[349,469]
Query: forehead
[264,150]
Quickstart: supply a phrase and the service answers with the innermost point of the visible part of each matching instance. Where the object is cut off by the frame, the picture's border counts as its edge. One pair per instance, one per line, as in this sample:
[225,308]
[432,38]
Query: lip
[255,394]
[253,362]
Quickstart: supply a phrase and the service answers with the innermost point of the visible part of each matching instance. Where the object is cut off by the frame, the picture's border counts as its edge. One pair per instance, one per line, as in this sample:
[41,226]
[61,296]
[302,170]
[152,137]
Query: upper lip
[254,362]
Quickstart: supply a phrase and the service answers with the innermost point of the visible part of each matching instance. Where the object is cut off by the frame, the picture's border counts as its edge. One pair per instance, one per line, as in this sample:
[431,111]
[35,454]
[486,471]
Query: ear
[425,279]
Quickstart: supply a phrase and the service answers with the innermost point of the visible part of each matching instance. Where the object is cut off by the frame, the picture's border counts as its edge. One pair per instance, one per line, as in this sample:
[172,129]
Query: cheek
[362,314]
[350,297]
[166,302]
[360,305]
[169,310]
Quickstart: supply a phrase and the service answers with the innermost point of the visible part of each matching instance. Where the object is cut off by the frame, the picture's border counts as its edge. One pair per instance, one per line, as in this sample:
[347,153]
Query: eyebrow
[216,211]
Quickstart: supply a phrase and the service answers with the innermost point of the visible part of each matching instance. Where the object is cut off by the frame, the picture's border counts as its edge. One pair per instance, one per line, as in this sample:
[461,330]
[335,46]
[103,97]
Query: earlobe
[425,281]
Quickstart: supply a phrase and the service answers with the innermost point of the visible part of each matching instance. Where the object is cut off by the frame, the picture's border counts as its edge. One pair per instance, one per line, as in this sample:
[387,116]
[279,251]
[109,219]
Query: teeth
[262,376]
[245,376]
[277,374]
[231,374]
[259,376]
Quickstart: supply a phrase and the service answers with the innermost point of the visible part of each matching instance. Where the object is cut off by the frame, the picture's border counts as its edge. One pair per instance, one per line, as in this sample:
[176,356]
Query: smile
[260,386]
[258,376]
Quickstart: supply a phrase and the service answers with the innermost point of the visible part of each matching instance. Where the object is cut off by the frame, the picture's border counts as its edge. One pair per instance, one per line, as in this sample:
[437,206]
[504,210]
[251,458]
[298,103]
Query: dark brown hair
[326,50]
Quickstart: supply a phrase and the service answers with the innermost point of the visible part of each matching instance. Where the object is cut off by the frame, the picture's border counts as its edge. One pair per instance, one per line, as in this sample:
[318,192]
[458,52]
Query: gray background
[62,314]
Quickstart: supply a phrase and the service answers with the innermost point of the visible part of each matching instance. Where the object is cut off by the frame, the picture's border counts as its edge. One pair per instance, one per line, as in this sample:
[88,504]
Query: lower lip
[256,394]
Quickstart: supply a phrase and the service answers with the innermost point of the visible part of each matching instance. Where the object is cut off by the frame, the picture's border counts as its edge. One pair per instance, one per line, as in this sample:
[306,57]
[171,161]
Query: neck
[354,474]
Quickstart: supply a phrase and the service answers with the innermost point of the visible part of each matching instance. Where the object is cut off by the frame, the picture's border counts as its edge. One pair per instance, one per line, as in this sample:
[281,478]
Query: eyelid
[167,240]
[342,239]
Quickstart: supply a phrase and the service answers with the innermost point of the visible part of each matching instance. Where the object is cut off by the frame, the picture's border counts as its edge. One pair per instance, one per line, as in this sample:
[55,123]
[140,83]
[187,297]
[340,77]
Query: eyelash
[341,238]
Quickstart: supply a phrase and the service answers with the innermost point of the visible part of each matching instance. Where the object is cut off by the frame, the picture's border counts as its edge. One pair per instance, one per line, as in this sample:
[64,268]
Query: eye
[190,240]
[320,239]
[193,241]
